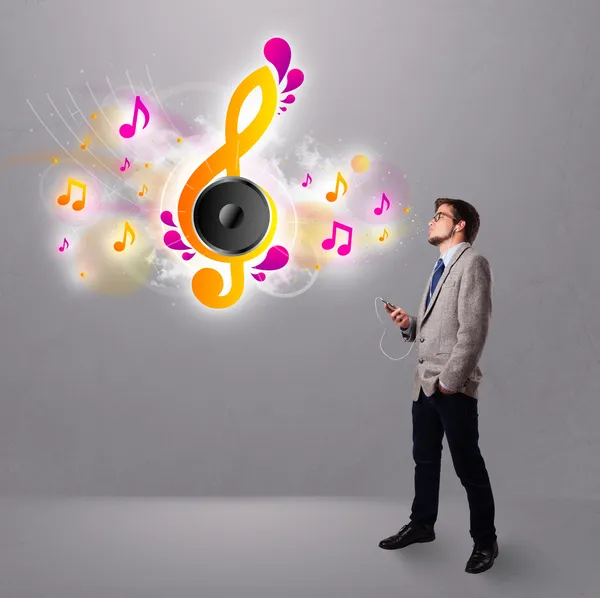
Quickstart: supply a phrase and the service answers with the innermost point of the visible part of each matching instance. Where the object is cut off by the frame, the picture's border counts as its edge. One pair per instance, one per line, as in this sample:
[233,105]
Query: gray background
[285,454]
[493,102]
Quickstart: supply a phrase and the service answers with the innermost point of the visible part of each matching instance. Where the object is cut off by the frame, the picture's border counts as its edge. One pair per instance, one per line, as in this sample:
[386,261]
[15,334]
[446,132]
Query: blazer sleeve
[409,334]
[474,315]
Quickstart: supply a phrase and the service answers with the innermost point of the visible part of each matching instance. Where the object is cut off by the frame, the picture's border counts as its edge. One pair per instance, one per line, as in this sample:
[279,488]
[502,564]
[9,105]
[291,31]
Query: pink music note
[128,130]
[126,165]
[64,245]
[329,243]
[305,183]
[379,210]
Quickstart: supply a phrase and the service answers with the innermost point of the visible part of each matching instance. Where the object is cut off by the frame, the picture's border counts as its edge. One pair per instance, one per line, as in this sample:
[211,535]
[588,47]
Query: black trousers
[455,415]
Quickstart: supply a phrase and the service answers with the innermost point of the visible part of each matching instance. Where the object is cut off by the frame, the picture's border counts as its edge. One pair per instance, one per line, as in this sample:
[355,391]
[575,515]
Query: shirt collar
[450,253]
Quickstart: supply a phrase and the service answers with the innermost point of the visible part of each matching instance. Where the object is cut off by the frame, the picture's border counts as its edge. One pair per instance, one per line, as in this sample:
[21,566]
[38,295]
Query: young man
[451,329]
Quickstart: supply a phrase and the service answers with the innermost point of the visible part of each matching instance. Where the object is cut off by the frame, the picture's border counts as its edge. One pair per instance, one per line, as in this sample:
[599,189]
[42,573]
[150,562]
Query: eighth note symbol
[143,191]
[78,205]
[64,245]
[128,130]
[332,195]
[120,245]
[385,235]
[329,243]
[85,143]
[379,210]
[126,165]
[305,183]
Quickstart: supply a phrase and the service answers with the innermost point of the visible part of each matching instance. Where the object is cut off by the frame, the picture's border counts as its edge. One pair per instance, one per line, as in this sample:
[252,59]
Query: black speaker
[231,216]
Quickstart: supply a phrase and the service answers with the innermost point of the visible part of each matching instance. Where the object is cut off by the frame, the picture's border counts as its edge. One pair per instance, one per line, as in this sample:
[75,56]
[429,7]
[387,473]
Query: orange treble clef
[207,283]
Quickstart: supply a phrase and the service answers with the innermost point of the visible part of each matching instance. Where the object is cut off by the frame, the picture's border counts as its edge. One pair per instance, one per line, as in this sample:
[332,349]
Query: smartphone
[390,305]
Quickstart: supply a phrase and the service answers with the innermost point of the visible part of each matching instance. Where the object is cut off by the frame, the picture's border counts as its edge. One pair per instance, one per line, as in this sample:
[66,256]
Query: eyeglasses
[440,214]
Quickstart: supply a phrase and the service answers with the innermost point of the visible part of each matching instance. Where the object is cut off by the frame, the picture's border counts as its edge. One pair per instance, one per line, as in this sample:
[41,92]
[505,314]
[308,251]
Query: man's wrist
[444,386]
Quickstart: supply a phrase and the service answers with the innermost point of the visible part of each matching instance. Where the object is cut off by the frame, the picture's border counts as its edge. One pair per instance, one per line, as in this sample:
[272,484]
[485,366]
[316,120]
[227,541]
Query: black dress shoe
[482,557]
[409,534]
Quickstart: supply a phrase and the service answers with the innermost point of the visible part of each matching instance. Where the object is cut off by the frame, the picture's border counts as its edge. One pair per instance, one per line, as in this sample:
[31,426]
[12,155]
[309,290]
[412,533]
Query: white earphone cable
[377,314]
[381,340]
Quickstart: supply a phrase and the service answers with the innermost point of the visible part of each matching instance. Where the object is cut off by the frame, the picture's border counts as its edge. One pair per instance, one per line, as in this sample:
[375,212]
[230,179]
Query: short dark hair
[462,211]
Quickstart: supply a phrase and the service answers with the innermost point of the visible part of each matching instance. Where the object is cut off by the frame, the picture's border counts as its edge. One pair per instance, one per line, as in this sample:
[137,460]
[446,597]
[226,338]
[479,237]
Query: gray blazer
[452,332]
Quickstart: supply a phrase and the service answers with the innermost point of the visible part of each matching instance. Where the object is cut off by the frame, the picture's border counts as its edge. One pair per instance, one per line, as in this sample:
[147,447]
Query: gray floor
[165,548]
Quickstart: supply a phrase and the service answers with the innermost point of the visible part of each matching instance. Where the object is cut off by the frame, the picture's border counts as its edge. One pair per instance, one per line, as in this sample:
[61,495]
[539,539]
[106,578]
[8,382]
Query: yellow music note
[385,235]
[120,245]
[78,205]
[85,143]
[207,284]
[143,191]
[332,195]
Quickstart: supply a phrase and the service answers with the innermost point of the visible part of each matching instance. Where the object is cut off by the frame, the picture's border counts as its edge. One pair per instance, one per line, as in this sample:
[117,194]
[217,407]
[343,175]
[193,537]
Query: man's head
[453,216]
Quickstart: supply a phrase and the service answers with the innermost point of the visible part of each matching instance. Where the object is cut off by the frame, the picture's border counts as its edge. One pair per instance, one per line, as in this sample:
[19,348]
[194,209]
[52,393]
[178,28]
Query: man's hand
[399,316]
[443,390]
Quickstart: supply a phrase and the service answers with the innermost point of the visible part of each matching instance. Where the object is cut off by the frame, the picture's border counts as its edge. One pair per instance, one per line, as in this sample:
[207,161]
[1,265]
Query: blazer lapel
[447,269]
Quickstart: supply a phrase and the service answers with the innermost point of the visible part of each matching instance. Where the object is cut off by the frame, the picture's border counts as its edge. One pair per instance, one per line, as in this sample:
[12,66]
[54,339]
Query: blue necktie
[437,274]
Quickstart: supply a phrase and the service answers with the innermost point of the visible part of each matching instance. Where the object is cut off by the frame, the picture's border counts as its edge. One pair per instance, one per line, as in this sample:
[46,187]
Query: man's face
[441,230]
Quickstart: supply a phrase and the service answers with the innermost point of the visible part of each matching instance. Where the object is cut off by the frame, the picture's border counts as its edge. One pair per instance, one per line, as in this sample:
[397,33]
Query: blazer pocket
[445,346]
[447,336]
[449,283]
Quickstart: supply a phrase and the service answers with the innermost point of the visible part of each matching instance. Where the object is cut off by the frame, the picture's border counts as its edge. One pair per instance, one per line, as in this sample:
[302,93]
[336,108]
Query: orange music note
[332,195]
[385,235]
[120,245]
[128,130]
[329,243]
[85,143]
[143,191]
[78,205]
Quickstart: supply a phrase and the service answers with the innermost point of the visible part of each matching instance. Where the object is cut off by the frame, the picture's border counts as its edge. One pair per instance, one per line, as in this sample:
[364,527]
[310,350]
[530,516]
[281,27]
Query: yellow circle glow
[360,163]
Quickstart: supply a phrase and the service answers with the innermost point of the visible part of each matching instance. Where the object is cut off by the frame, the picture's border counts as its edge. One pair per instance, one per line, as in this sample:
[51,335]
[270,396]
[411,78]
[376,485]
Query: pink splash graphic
[278,52]
[173,240]
[295,78]
[277,257]
[167,218]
